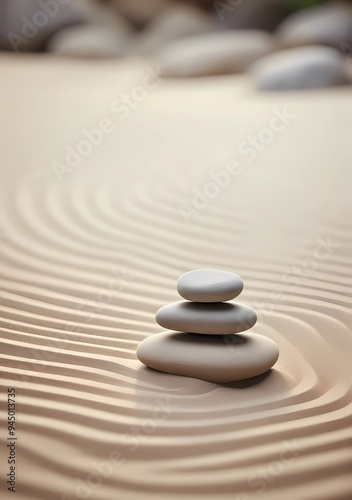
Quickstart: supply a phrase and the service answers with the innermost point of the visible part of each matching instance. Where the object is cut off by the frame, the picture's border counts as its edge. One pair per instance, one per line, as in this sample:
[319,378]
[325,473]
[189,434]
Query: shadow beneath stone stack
[249,382]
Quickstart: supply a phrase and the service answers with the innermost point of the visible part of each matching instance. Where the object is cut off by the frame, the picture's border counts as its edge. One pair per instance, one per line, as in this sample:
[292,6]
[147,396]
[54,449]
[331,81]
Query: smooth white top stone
[212,318]
[209,285]
[217,359]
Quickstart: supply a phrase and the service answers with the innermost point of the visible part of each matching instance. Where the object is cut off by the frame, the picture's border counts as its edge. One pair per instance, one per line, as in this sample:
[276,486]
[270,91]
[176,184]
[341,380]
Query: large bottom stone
[217,359]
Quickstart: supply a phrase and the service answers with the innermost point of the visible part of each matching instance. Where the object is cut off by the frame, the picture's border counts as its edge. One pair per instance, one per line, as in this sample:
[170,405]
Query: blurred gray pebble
[27,25]
[174,22]
[300,68]
[214,53]
[94,42]
[326,25]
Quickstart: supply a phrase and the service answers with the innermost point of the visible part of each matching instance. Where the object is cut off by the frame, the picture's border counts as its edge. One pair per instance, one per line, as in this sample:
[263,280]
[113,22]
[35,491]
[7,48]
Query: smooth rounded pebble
[212,319]
[173,23]
[301,68]
[217,359]
[214,53]
[94,42]
[24,35]
[209,285]
[324,24]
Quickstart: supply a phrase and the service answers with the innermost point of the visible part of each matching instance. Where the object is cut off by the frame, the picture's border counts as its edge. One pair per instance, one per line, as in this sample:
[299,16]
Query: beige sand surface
[87,261]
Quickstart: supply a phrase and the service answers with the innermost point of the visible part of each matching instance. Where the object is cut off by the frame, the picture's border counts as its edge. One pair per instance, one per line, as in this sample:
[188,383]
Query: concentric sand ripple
[87,262]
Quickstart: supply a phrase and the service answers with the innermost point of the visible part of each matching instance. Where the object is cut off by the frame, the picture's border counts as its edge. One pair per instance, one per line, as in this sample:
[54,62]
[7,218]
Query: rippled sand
[86,262]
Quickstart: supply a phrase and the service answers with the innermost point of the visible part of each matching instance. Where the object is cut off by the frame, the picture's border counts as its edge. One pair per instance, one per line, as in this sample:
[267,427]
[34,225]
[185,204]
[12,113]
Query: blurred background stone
[116,28]
[27,25]
[95,42]
[174,22]
[326,25]
[300,68]
[214,53]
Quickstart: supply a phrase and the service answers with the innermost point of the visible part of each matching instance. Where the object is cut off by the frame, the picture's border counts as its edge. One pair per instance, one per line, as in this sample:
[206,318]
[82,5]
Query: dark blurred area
[29,25]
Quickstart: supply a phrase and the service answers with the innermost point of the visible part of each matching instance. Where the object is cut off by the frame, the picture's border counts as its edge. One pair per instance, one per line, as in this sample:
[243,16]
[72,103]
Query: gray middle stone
[212,318]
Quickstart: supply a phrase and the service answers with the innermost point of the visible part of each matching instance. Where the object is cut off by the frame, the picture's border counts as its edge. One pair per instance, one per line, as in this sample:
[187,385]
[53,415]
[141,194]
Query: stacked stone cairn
[205,338]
